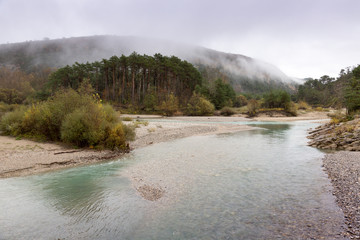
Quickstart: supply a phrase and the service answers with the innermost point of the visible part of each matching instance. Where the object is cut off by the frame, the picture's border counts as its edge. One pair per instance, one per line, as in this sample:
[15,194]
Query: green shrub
[32,121]
[11,122]
[129,131]
[54,111]
[276,99]
[150,102]
[110,114]
[75,118]
[75,127]
[337,117]
[352,92]
[127,119]
[11,96]
[319,109]
[199,106]
[84,127]
[138,122]
[4,108]
[253,107]
[226,111]
[240,101]
[170,105]
[222,94]
[290,107]
[303,105]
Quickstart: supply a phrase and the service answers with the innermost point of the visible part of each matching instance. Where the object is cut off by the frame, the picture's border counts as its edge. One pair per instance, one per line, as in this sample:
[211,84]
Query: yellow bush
[291,108]
[70,116]
[31,119]
[84,127]
[11,122]
[109,112]
[302,105]
[129,131]
[253,107]
[199,106]
[335,121]
[227,111]
[127,119]
[115,139]
[170,105]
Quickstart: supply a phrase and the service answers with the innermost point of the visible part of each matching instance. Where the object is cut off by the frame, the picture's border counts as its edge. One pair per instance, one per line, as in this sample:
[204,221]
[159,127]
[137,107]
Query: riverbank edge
[343,170]
[26,157]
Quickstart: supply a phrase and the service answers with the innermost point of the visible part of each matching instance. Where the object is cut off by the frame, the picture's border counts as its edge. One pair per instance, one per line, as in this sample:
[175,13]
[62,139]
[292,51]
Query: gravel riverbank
[343,169]
[25,157]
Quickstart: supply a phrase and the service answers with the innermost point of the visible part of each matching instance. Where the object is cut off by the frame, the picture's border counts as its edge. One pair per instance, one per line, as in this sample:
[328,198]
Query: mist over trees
[148,83]
[243,73]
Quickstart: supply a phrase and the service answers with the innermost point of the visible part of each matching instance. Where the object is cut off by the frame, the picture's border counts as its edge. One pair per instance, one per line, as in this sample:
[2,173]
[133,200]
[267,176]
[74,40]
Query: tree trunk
[133,87]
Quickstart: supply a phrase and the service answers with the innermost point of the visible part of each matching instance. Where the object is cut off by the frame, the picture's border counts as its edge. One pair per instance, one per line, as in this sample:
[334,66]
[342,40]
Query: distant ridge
[244,73]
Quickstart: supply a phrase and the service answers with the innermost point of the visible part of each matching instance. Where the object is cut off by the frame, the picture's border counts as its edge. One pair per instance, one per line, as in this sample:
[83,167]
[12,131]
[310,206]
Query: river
[264,183]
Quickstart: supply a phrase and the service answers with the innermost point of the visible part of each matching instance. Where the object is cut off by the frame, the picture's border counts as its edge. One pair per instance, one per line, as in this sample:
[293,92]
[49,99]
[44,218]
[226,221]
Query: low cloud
[281,32]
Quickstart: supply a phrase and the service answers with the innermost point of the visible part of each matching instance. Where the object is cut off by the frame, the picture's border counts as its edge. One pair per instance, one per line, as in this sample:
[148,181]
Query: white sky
[304,38]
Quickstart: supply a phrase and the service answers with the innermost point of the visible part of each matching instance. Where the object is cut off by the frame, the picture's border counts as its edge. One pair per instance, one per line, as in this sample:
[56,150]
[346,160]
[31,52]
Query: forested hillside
[243,73]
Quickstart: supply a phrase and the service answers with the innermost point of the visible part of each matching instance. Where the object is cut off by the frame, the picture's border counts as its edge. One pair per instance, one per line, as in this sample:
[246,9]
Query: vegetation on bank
[199,106]
[343,131]
[129,79]
[19,87]
[337,136]
[332,92]
[65,104]
[352,92]
[135,84]
[145,84]
[75,117]
[170,86]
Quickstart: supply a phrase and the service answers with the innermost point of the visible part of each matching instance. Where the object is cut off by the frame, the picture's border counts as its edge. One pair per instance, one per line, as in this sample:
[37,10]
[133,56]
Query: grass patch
[126,119]
[150,130]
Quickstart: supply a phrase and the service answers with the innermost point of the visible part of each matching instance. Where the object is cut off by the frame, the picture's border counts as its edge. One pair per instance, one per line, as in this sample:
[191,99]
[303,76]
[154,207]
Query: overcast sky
[304,38]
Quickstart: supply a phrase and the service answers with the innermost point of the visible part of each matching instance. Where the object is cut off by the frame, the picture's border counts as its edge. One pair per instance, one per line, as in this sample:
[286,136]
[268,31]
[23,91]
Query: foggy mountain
[244,73]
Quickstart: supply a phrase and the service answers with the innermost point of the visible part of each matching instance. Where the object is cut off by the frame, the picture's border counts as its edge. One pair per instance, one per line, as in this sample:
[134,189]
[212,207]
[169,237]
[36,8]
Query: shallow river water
[258,184]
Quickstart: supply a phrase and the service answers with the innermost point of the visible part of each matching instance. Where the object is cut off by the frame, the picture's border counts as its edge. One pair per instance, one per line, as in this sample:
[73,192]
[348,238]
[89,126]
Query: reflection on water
[260,184]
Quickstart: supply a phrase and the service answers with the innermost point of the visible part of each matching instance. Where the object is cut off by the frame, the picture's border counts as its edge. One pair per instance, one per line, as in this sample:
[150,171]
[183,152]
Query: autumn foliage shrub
[115,138]
[85,127]
[227,111]
[74,117]
[291,108]
[170,105]
[253,107]
[11,122]
[302,105]
[199,106]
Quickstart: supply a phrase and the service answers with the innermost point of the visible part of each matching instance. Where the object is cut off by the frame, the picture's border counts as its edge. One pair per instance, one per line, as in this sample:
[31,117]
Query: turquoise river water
[258,184]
